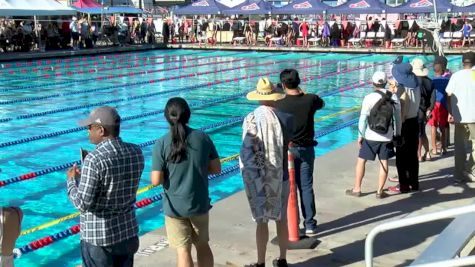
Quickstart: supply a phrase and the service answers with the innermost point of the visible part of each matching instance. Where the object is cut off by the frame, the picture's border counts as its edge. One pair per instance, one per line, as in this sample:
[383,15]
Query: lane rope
[71,130]
[101,78]
[35,174]
[28,99]
[76,214]
[68,66]
[38,114]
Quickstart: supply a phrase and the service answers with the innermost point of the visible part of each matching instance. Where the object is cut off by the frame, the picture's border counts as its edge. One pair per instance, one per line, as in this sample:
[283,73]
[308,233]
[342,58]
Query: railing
[418,220]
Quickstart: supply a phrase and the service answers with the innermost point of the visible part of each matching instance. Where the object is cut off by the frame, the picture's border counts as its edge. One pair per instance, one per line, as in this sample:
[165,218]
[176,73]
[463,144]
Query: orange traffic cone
[292,207]
[295,241]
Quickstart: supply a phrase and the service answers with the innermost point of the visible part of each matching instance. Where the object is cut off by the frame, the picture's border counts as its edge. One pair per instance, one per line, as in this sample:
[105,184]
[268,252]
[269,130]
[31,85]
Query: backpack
[381,115]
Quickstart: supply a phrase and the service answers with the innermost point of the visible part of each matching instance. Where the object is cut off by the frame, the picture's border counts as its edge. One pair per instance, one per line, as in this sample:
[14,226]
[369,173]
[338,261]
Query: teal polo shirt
[186,183]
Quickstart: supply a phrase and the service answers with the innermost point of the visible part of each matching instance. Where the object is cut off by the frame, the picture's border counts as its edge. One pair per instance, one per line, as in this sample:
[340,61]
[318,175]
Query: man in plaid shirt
[109,180]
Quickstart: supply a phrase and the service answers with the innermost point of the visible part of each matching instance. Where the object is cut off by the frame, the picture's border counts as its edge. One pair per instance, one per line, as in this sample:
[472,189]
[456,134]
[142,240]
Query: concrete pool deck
[343,221]
[317,49]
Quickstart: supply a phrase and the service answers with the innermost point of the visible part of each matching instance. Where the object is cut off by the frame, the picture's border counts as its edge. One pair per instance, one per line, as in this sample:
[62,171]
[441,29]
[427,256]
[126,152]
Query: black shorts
[369,150]
[422,127]
[75,36]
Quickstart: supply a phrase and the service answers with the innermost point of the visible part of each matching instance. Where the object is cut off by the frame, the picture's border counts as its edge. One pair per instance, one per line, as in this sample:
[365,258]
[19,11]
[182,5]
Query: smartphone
[83,153]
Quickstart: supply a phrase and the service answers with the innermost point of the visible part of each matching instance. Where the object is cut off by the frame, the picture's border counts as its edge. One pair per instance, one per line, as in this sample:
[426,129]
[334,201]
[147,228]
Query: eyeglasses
[89,127]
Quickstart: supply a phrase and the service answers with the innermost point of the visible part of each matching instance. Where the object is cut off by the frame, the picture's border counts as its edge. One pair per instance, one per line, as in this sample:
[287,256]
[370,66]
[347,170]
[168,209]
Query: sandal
[381,195]
[350,192]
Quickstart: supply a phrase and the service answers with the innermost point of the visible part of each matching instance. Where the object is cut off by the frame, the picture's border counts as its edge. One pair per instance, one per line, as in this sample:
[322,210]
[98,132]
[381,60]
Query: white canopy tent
[34,8]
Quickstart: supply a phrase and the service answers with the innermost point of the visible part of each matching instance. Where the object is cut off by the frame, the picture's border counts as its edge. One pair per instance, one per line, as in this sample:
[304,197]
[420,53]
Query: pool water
[39,99]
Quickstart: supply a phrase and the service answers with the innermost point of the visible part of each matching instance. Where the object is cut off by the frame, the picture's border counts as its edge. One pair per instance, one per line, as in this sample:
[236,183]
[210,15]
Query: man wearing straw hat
[263,161]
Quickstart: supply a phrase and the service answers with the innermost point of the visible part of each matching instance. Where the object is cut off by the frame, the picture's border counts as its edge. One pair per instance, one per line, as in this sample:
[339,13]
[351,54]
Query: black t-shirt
[303,108]
[226,26]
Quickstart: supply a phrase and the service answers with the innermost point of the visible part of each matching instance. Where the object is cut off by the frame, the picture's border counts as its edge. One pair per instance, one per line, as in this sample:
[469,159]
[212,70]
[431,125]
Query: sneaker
[394,190]
[469,176]
[311,231]
[255,265]
[279,263]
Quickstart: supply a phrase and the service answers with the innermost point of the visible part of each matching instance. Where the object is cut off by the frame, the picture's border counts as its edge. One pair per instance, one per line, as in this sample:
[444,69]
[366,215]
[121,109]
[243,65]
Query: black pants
[407,162]
[117,255]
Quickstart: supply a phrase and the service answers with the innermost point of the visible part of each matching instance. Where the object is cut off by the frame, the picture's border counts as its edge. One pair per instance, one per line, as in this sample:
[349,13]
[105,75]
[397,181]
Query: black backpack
[381,115]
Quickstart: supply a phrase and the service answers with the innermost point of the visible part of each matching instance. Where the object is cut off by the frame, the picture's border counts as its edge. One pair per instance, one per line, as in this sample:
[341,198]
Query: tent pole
[220,33]
[37,32]
[435,11]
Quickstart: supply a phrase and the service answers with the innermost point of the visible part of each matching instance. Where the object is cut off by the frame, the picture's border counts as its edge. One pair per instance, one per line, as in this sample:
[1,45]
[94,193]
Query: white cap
[379,78]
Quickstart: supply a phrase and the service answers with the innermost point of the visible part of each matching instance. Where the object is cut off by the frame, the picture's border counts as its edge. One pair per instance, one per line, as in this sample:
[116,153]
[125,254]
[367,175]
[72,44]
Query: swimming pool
[41,101]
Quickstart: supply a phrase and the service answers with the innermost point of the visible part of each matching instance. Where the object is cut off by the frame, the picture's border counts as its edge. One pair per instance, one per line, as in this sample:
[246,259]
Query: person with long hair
[181,161]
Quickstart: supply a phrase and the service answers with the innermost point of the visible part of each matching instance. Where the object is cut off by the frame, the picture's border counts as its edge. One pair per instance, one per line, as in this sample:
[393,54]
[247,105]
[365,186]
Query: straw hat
[265,91]
[418,67]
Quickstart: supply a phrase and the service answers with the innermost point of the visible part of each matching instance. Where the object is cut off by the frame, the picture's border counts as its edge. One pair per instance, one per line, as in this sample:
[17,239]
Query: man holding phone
[109,179]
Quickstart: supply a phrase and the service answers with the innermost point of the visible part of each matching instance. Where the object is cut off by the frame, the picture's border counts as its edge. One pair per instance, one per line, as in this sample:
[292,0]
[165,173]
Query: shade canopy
[302,7]
[359,7]
[422,6]
[111,10]
[464,9]
[34,8]
[203,7]
[86,4]
[250,8]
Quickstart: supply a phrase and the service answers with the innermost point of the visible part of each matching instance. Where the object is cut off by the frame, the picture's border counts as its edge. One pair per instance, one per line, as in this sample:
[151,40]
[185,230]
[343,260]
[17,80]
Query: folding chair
[380,38]
[446,38]
[370,37]
[275,40]
[314,41]
[357,40]
[456,39]
[239,40]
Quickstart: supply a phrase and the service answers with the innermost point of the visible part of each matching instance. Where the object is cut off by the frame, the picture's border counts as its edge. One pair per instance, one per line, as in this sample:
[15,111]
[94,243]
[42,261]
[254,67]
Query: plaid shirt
[106,193]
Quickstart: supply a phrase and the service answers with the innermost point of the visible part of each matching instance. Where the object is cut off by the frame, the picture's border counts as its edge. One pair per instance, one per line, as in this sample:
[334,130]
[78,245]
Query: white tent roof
[34,7]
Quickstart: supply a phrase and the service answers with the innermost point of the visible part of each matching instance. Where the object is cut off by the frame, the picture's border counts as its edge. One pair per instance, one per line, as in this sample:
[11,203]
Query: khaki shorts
[186,231]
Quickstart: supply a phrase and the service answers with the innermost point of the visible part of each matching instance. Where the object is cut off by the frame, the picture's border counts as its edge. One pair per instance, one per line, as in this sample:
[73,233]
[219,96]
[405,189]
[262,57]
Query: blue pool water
[53,101]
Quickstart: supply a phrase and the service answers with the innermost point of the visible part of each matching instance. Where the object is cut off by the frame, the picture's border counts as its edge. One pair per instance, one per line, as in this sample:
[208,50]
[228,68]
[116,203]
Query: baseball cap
[468,57]
[379,78]
[102,116]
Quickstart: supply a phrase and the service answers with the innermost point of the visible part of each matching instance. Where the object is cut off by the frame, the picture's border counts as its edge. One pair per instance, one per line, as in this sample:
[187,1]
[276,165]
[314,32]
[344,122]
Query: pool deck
[343,221]
[316,49]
